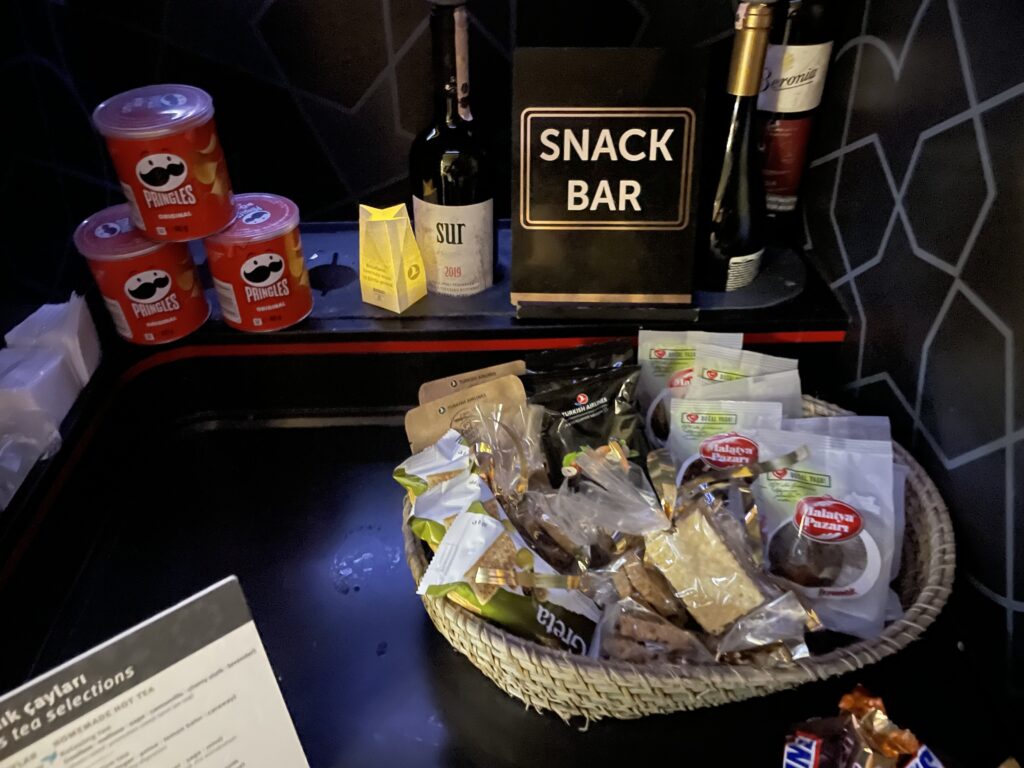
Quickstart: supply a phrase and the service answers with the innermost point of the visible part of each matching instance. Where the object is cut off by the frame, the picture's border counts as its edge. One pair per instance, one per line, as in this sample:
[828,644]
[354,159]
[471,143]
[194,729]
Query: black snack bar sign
[610,168]
[604,190]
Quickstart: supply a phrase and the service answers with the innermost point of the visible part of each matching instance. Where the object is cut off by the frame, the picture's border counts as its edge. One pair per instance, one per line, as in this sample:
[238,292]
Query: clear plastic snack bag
[629,631]
[505,442]
[620,497]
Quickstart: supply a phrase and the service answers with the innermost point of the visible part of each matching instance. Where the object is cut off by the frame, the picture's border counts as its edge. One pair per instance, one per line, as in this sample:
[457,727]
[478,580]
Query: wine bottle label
[462,61]
[742,270]
[457,244]
[793,77]
[785,149]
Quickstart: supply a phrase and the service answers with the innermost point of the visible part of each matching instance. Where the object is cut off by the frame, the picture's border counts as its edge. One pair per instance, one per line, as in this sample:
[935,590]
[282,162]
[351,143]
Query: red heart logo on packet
[659,353]
[779,474]
[692,417]
[712,374]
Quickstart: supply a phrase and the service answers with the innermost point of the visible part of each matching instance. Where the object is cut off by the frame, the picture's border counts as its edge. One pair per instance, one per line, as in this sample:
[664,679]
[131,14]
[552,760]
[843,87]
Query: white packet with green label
[828,525]
[667,358]
[709,434]
[782,387]
[717,363]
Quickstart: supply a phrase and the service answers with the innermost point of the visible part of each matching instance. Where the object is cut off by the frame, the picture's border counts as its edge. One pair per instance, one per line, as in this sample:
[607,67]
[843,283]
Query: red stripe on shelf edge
[433,345]
[795,337]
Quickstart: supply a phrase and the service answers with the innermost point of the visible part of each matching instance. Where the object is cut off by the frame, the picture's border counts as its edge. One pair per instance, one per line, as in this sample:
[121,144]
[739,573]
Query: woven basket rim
[931,597]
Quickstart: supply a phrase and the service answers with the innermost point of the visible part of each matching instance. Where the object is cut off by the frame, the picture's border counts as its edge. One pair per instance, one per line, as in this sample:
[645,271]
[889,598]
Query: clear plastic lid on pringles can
[151,289]
[165,149]
[257,265]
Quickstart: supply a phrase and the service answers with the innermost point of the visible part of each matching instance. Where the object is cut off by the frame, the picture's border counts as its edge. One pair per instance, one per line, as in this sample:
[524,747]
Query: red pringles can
[165,149]
[151,289]
[257,265]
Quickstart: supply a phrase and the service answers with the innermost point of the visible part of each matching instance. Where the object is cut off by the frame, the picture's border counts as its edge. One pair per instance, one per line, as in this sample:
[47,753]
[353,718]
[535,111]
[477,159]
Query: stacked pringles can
[168,158]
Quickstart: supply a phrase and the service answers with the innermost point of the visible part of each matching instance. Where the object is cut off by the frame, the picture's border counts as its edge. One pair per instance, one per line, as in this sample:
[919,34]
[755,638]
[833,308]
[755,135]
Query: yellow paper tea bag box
[390,266]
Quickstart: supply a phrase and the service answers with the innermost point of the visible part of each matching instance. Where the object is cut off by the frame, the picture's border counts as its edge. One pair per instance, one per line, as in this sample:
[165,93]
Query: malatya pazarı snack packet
[560,618]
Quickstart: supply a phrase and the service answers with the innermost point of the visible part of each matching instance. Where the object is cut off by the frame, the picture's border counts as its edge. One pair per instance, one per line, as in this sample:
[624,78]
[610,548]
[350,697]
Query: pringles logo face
[163,175]
[263,275]
[729,450]
[150,293]
[824,518]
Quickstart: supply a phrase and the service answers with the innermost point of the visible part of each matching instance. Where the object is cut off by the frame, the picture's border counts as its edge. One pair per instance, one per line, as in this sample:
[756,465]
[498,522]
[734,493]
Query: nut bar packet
[436,509]
[628,631]
[716,583]
[448,457]
[782,387]
[607,354]
[438,388]
[828,524]
[588,413]
[560,618]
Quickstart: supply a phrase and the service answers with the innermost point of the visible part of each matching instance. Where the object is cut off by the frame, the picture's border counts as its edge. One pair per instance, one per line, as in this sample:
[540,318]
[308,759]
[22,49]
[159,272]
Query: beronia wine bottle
[452,203]
[737,216]
[793,80]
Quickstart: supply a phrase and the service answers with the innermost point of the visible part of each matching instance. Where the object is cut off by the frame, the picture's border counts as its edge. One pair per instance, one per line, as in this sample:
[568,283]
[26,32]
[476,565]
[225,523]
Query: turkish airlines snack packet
[709,434]
[592,357]
[426,424]
[434,390]
[561,618]
[588,412]
[782,387]
[828,525]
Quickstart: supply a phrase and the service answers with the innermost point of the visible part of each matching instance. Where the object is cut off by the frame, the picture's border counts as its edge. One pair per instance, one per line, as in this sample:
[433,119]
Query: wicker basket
[570,686]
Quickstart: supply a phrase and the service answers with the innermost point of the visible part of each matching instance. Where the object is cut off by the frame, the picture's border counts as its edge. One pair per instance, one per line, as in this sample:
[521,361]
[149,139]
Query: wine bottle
[452,196]
[794,77]
[737,216]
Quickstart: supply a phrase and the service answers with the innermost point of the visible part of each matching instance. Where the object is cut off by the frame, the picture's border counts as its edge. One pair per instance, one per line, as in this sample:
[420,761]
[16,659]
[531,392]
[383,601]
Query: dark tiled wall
[914,201]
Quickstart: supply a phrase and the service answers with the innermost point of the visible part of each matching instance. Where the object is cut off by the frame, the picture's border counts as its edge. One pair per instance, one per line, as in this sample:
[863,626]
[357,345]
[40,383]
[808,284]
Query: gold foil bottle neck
[753,21]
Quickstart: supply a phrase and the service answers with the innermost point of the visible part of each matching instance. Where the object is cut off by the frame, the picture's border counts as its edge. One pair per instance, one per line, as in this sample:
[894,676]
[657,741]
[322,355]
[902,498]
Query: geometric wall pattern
[915,200]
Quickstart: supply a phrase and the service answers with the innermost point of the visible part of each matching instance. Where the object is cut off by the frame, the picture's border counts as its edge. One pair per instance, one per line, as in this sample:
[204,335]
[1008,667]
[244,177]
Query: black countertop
[178,474]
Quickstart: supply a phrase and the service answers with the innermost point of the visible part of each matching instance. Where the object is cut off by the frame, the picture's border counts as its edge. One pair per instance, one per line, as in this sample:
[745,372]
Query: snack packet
[709,434]
[588,412]
[448,457]
[438,388]
[628,631]
[828,523]
[666,358]
[505,444]
[426,424]
[716,582]
[717,363]
[862,736]
[560,618]
[435,510]
[868,428]
[781,622]
[554,530]
[782,387]
[607,354]
[619,498]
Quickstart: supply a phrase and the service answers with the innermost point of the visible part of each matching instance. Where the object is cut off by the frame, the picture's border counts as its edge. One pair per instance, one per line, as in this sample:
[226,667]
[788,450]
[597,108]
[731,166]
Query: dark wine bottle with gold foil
[452,195]
[737,230]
